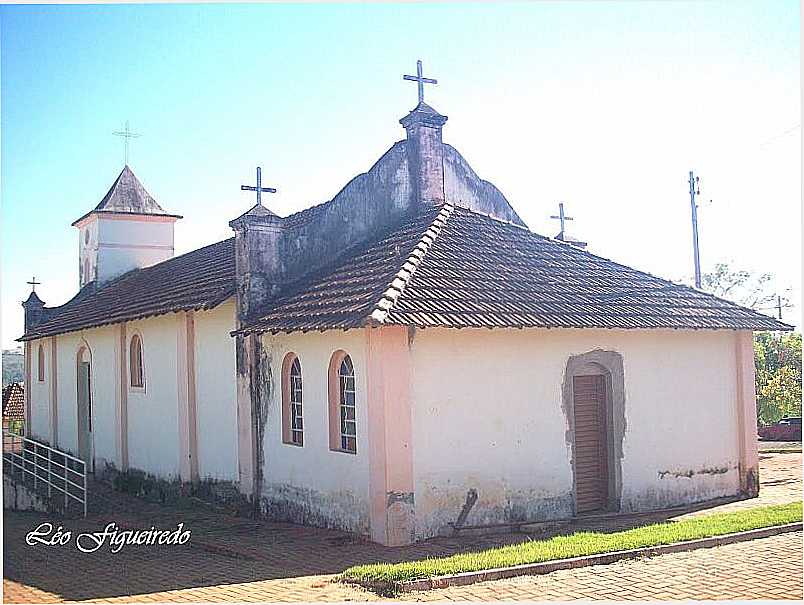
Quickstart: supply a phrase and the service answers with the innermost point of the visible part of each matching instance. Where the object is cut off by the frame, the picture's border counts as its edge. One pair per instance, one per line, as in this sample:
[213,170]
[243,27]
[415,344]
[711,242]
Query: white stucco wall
[119,245]
[312,484]
[153,430]
[488,416]
[39,394]
[216,393]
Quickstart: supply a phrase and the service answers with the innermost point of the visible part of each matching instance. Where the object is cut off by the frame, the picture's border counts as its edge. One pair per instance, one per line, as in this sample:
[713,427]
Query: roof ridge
[667,283]
[405,274]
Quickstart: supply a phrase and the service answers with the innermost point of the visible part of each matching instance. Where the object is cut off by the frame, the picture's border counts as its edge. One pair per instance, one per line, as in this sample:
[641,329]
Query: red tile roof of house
[14,401]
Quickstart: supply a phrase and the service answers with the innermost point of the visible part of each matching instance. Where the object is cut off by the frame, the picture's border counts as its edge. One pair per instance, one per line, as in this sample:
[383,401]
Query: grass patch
[576,545]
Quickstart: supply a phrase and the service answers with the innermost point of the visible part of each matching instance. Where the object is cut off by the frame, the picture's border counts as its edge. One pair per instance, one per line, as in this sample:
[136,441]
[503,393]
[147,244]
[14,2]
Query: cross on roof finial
[420,79]
[259,188]
[561,216]
[126,134]
[33,283]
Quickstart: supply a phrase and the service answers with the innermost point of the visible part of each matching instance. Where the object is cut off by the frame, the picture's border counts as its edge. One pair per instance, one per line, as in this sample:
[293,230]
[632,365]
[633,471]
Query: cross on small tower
[33,283]
[126,134]
[420,79]
[562,217]
[259,188]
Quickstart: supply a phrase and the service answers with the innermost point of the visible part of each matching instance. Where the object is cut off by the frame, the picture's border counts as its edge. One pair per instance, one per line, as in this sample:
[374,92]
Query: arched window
[40,358]
[136,374]
[292,417]
[342,404]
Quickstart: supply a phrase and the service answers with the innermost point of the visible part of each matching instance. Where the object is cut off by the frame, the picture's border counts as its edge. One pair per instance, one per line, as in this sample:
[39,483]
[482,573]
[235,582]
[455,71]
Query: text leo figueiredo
[112,535]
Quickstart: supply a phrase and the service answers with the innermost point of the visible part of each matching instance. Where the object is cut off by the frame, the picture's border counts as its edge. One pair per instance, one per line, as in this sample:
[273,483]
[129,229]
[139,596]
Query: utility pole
[695,190]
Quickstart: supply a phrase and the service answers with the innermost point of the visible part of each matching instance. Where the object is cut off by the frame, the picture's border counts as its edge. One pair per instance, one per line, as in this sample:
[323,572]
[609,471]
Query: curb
[472,577]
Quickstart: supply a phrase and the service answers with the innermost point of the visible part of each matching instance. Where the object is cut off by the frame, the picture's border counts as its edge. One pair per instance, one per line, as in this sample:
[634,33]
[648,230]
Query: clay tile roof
[458,268]
[14,402]
[201,279]
[128,196]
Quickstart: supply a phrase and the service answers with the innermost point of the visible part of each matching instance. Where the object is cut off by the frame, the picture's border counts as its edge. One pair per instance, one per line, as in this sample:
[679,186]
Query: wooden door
[85,415]
[591,448]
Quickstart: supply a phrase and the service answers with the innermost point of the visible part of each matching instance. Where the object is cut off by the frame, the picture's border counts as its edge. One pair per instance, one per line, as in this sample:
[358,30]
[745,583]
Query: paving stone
[290,562]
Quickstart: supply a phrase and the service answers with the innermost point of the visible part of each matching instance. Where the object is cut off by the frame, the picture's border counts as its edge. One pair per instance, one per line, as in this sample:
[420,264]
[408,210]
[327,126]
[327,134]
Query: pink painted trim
[136,246]
[126,216]
[121,407]
[334,403]
[185,380]
[27,390]
[287,363]
[191,396]
[54,402]
[747,413]
[390,435]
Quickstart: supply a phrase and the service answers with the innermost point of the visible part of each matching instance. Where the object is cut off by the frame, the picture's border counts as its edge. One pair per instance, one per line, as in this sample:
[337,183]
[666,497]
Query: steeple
[127,230]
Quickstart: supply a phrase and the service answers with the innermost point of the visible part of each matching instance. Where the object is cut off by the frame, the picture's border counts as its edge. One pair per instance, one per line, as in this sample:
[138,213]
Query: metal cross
[126,134]
[420,79]
[259,188]
[33,283]
[561,216]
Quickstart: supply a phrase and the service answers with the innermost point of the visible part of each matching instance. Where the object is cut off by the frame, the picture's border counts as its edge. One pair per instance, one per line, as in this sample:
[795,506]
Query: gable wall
[312,484]
[487,415]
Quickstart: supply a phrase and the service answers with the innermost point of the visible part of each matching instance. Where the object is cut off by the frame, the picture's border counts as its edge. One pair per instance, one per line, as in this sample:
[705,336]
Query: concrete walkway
[235,559]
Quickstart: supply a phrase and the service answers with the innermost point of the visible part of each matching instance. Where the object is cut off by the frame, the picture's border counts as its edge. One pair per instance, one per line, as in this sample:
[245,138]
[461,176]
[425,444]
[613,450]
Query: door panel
[591,450]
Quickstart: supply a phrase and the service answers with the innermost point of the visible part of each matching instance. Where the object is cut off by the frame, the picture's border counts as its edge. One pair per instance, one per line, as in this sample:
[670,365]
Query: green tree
[777,359]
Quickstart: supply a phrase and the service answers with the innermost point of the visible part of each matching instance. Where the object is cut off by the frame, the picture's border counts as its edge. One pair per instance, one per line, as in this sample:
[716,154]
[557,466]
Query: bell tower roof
[128,196]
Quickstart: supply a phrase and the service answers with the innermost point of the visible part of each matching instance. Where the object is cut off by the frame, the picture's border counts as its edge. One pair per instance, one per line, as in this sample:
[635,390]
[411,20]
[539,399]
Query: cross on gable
[259,188]
[561,216]
[33,283]
[420,79]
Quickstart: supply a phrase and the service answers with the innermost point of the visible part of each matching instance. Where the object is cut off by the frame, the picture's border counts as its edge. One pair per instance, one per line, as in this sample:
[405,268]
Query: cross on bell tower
[126,135]
[420,79]
[33,283]
[259,188]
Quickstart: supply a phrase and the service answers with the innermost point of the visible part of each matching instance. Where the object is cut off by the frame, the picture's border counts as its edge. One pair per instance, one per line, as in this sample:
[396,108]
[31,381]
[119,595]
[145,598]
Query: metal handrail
[26,455]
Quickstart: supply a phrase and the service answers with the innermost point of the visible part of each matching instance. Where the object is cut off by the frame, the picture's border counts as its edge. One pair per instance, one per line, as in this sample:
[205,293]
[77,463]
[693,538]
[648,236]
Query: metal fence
[43,467]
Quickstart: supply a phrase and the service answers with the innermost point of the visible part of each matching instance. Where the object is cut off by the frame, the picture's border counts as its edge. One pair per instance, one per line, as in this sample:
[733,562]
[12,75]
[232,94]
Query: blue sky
[604,105]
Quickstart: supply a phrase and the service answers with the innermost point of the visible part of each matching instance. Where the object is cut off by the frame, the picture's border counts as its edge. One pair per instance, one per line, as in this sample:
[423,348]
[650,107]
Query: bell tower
[127,230]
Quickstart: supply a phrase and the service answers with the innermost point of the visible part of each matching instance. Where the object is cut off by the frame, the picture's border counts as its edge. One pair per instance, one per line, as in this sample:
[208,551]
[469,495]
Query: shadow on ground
[232,550]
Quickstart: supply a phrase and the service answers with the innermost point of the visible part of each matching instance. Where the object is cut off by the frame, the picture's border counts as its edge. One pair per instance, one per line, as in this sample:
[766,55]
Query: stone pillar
[246,435]
[390,438]
[259,263]
[747,414]
[425,153]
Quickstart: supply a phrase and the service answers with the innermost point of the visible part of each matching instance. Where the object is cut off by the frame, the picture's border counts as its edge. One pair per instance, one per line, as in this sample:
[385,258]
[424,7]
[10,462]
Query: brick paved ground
[769,568]
[236,559]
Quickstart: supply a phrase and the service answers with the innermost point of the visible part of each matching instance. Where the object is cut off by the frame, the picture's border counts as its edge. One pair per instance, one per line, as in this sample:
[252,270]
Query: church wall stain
[311,484]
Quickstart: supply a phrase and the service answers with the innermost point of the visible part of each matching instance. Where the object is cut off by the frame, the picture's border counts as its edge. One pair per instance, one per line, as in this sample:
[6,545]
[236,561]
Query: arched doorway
[84,399]
[594,403]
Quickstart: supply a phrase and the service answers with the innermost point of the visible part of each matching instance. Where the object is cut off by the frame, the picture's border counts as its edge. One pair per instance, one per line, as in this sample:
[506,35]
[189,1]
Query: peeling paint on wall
[496,504]
[335,510]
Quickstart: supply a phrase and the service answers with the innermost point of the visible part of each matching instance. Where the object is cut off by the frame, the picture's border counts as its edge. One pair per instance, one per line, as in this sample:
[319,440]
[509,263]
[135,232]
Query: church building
[403,359]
